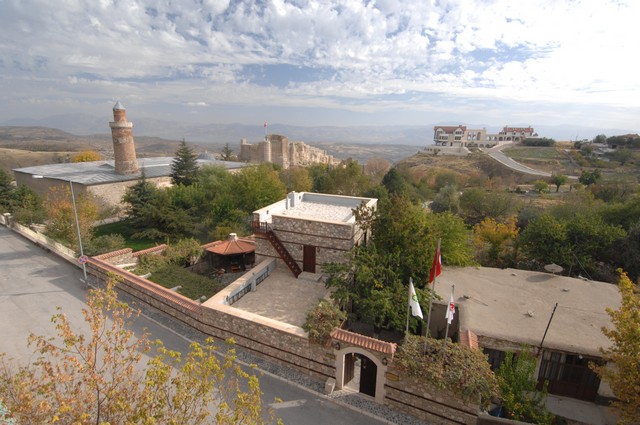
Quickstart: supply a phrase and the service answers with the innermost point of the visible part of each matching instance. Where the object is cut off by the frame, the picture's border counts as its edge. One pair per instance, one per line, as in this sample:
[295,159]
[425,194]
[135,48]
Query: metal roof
[118,106]
[102,172]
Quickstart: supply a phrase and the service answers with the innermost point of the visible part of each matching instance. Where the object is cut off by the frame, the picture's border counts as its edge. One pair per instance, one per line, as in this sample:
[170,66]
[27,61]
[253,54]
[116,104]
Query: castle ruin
[279,150]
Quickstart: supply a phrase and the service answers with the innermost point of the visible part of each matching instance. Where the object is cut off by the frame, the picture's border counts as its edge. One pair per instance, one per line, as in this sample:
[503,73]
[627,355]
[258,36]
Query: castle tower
[123,147]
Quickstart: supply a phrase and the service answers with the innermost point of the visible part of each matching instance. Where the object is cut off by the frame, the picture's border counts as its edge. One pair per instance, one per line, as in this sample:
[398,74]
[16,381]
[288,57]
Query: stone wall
[278,342]
[111,194]
[283,152]
[426,401]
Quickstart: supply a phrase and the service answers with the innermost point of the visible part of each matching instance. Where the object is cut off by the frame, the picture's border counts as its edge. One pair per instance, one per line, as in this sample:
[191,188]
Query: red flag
[265,124]
[436,267]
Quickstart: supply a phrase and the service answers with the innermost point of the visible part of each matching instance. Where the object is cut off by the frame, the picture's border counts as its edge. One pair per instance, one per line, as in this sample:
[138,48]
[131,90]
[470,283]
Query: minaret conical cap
[118,106]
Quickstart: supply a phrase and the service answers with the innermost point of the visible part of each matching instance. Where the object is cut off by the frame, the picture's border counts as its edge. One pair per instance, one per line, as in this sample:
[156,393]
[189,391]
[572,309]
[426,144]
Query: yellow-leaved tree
[100,377]
[86,156]
[622,371]
[494,241]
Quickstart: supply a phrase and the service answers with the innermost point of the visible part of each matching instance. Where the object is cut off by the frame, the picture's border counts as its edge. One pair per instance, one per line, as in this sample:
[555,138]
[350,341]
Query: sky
[338,63]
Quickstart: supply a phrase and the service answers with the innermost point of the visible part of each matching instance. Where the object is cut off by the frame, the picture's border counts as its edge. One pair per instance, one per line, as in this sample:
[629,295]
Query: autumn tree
[494,239]
[100,376]
[86,156]
[61,224]
[377,168]
[623,356]
[184,167]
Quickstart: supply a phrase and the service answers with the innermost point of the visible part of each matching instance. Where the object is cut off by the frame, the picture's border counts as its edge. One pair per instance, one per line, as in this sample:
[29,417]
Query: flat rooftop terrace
[315,207]
[284,298]
[319,211]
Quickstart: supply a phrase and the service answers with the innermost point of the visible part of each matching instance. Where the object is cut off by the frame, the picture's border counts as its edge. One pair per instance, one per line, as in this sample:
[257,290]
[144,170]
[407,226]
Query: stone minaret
[123,147]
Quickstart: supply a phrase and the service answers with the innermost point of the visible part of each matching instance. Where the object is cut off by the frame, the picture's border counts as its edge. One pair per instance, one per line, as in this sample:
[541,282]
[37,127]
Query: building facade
[462,136]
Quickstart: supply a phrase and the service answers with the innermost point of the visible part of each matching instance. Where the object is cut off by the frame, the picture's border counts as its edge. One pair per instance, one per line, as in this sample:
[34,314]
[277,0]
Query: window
[495,357]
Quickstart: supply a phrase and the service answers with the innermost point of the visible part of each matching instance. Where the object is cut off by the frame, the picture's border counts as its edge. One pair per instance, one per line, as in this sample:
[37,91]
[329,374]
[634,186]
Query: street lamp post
[75,214]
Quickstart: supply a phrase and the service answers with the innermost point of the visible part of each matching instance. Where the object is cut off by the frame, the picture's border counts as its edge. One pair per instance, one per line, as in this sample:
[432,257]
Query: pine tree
[184,167]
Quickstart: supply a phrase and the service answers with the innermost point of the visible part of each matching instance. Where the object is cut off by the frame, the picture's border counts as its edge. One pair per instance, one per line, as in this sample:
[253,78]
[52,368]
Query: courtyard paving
[284,298]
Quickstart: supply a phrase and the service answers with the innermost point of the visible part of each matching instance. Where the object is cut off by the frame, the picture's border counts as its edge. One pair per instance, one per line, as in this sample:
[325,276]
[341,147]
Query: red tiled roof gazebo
[234,251]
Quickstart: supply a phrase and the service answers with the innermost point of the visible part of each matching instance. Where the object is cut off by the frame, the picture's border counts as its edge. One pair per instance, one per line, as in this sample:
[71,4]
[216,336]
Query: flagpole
[433,291]
[446,332]
[408,305]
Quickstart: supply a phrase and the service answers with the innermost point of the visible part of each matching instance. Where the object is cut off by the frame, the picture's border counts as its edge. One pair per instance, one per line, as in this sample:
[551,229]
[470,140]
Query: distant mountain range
[219,134]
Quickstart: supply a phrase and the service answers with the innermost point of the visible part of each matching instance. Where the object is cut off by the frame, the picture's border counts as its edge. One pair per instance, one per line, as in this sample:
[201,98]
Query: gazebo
[233,254]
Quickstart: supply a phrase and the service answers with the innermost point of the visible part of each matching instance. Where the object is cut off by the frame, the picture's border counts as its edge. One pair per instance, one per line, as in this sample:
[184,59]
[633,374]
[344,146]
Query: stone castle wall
[284,153]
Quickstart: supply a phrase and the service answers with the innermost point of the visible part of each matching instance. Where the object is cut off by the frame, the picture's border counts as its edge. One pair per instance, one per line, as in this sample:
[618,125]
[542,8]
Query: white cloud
[196,52]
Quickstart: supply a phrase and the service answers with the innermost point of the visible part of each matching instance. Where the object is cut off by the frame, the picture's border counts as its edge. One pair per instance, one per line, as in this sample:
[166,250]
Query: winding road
[496,153]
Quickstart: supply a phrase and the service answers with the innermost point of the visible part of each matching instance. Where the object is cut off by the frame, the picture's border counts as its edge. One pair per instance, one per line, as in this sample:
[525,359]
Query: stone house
[306,230]
[461,136]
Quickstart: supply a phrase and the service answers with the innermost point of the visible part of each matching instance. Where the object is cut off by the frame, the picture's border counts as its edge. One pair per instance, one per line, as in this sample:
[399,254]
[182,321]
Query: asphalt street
[34,282]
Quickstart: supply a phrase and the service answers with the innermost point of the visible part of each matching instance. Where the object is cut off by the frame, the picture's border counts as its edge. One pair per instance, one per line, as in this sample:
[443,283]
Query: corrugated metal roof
[102,172]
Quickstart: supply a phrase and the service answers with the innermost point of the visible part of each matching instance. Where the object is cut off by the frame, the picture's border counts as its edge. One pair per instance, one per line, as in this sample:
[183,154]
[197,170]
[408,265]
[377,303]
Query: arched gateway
[361,358]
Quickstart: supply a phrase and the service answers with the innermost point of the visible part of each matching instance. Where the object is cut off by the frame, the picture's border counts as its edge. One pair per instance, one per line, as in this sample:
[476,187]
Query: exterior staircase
[264,229]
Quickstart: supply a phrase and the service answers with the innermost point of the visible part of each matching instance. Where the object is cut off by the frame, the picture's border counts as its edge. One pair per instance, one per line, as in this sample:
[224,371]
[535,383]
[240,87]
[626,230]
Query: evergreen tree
[139,197]
[6,189]
[227,153]
[184,167]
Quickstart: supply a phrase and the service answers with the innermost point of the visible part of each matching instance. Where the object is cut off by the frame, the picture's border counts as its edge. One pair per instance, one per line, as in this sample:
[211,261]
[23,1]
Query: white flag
[451,309]
[413,301]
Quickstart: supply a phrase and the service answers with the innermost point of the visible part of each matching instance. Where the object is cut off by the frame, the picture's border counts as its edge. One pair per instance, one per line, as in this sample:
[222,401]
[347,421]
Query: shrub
[322,319]
[520,398]
[464,371]
[185,252]
[105,243]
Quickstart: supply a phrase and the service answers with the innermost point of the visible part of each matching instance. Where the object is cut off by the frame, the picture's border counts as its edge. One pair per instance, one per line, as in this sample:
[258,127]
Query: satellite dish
[553,268]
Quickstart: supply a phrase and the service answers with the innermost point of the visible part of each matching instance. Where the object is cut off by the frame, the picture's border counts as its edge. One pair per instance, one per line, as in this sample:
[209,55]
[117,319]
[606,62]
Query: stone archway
[373,356]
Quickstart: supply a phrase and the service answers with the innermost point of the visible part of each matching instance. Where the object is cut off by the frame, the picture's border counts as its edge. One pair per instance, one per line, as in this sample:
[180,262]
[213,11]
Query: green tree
[321,320]
[227,153]
[558,180]
[6,190]
[296,179]
[520,397]
[545,239]
[256,187]
[184,167]
[447,199]
[100,376]
[138,199]
[476,204]
[623,356]
[395,183]
[589,177]
[540,186]
[27,206]
[600,138]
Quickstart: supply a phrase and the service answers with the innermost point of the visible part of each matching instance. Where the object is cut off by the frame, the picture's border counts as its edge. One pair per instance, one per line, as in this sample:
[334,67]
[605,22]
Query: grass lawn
[539,153]
[122,228]
[193,285]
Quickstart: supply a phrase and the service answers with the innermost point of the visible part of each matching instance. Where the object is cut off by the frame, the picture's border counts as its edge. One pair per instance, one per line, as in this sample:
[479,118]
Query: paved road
[496,153]
[33,283]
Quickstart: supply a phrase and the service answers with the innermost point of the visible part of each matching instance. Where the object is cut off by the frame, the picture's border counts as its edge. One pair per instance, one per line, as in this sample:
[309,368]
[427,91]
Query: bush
[520,398]
[105,243]
[321,320]
[464,372]
[185,252]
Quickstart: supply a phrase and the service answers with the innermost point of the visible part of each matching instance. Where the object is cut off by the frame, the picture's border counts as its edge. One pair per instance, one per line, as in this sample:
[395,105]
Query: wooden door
[309,259]
[349,368]
[368,372]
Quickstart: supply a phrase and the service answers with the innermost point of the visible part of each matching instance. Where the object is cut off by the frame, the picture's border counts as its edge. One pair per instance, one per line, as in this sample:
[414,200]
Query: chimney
[233,236]
[124,149]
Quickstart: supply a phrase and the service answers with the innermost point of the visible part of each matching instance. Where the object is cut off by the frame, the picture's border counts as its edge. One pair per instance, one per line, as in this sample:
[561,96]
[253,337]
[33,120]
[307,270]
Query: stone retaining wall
[427,402]
[278,342]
